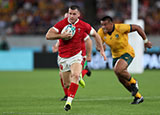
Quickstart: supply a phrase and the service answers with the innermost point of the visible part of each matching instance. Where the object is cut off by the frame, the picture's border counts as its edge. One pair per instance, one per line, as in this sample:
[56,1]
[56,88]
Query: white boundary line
[113,98]
[92,98]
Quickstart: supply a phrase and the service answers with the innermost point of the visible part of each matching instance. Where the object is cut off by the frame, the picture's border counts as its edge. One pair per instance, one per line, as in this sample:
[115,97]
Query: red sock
[65,89]
[84,72]
[72,89]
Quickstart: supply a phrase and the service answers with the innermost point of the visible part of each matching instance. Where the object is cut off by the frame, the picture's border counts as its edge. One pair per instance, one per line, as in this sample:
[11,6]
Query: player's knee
[117,71]
[75,76]
[66,85]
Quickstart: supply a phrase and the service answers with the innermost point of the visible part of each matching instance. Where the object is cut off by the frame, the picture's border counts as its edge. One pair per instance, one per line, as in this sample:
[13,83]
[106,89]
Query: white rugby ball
[70,29]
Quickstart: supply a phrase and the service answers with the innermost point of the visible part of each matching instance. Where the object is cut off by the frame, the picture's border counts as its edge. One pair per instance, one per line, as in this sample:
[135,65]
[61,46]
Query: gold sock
[138,95]
[132,80]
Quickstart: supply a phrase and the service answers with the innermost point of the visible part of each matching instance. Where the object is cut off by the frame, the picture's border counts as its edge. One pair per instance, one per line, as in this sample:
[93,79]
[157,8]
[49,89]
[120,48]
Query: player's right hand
[103,54]
[104,47]
[148,45]
[66,35]
[98,49]
[88,58]
[54,48]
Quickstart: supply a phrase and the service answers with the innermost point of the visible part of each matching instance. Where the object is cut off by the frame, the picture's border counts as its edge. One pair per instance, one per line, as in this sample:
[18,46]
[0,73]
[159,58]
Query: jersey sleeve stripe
[86,37]
[55,29]
[92,31]
[130,28]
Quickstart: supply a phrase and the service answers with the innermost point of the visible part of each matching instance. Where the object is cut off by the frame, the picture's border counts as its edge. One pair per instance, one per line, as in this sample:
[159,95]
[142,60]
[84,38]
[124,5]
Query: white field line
[92,98]
[38,113]
[114,98]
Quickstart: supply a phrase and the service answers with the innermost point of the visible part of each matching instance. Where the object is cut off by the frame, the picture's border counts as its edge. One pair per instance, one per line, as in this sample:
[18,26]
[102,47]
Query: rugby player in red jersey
[87,42]
[69,57]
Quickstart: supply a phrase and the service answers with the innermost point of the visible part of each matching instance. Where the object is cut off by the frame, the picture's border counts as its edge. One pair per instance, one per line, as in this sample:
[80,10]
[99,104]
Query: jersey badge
[79,29]
[117,36]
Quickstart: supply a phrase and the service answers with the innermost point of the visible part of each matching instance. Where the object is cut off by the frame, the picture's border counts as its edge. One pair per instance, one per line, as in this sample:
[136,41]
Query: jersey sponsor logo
[105,37]
[126,58]
[110,38]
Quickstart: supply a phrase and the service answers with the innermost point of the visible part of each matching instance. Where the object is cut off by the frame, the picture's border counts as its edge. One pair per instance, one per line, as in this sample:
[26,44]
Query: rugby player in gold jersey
[116,37]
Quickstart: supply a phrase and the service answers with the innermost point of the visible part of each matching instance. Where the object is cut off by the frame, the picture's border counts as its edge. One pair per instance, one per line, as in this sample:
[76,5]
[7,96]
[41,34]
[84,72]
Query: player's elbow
[98,49]
[94,35]
[50,34]
[47,36]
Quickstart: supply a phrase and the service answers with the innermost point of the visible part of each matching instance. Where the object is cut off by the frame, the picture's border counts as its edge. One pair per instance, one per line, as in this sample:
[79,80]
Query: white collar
[75,21]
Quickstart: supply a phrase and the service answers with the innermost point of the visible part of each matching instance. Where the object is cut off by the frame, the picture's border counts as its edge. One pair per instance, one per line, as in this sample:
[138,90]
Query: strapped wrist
[146,40]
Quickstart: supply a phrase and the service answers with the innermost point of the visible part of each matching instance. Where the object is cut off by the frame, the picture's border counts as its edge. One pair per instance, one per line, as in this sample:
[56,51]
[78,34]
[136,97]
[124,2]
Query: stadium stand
[36,16]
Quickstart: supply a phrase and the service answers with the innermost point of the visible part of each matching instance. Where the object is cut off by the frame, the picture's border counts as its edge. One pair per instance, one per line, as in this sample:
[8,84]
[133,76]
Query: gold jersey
[117,40]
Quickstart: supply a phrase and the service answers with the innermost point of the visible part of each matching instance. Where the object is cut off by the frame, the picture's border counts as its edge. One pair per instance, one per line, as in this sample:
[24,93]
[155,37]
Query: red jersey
[71,47]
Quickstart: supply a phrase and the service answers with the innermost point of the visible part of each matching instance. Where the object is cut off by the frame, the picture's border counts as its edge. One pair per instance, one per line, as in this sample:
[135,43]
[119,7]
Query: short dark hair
[74,7]
[107,18]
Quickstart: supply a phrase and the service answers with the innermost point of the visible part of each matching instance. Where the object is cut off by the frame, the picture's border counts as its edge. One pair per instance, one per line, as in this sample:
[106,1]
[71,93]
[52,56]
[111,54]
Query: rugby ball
[70,28]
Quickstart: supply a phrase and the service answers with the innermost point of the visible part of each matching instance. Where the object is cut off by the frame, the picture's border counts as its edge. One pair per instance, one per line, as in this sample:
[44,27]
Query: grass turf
[39,93]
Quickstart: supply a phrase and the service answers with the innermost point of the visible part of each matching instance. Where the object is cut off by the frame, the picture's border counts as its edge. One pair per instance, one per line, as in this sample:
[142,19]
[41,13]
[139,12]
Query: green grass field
[39,93]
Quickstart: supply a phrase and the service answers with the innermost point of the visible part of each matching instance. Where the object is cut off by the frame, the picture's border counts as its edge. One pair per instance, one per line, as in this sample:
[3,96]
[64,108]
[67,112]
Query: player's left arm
[98,43]
[140,31]
[55,47]
[88,43]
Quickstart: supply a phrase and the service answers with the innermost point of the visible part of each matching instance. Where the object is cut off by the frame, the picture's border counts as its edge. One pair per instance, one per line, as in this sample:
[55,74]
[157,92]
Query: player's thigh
[120,65]
[76,69]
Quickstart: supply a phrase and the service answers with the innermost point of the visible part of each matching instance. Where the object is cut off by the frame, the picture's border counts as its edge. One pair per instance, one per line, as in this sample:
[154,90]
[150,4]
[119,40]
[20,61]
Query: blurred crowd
[36,16]
[148,10]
